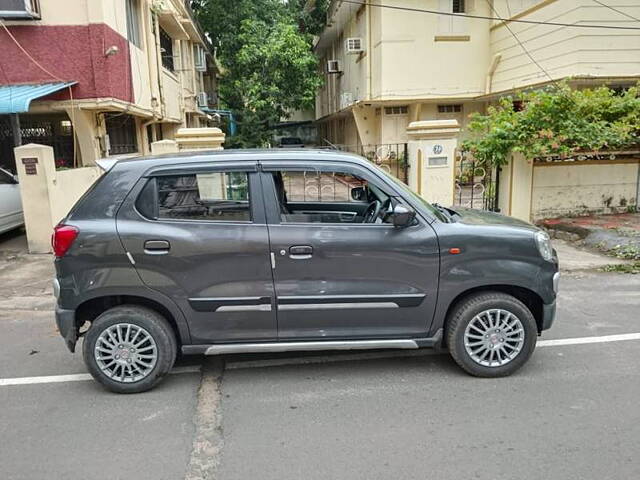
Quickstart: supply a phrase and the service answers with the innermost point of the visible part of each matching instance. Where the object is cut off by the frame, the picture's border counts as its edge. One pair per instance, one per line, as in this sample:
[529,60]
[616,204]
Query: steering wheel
[372,212]
[375,210]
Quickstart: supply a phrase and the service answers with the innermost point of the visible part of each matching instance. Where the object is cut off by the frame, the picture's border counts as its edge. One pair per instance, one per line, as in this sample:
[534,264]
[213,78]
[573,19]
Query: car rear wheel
[491,334]
[129,349]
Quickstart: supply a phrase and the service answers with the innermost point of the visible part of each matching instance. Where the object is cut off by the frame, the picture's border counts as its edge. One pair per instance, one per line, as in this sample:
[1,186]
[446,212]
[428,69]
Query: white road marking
[585,340]
[79,377]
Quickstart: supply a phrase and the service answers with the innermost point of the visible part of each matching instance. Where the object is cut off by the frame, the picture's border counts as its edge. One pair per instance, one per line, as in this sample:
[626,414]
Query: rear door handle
[156,247]
[300,252]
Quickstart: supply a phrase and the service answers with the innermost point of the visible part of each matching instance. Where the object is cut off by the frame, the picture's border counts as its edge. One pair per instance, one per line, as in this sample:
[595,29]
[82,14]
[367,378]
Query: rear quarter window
[211,196]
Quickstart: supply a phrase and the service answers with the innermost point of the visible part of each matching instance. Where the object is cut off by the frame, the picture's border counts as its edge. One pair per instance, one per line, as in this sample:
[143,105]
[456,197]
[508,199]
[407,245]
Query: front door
[10,203]
[341,271]
[199,236]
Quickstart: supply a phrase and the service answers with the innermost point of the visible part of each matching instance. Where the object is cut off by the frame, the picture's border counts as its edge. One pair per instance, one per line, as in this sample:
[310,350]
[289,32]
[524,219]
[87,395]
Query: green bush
[558,120]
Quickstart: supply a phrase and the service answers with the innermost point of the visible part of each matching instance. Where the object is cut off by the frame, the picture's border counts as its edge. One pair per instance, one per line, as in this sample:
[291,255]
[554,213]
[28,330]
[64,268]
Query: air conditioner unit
[20,9]
[354,45]
[199,58]
[202,99]
[333,66]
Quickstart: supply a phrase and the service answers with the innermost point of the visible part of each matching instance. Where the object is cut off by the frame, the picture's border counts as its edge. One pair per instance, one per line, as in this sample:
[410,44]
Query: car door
[199,236]
[10,202]
[336,280]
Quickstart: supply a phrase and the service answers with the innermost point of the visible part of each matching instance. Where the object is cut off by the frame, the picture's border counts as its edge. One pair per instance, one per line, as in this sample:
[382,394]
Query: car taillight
[62,239]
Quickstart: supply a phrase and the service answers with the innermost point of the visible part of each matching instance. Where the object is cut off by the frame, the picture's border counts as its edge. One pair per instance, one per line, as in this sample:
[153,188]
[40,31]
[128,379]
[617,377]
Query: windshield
[414,196]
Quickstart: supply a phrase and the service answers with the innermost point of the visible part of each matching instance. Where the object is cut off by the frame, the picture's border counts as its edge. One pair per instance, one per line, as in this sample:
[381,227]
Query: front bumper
[66,322]
[548,315]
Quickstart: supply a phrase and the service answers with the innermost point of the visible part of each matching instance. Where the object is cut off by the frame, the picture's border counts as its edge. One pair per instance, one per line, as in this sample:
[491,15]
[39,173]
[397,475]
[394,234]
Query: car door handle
[156,247]
[300,252]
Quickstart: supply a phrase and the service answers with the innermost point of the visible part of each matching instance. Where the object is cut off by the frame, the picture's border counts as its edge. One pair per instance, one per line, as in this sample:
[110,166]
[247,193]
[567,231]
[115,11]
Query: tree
[556,121]
[268,68]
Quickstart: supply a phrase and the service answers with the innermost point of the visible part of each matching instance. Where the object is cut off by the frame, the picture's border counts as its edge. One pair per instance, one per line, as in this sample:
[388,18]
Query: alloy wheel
[126,353]
[494,337]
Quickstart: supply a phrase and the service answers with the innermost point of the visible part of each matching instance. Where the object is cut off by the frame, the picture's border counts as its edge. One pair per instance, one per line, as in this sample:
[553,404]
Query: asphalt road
[571,412]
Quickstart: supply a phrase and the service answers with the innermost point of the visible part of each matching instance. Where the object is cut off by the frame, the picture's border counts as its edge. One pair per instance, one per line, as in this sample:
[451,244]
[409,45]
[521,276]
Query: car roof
[247,155]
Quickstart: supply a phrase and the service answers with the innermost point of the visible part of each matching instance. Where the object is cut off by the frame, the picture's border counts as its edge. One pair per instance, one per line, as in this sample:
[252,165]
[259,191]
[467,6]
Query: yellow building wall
[580,189]
[426,55]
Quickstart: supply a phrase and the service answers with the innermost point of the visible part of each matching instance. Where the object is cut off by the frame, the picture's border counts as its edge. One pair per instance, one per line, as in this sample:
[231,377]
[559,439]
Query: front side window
[315,196]
[218,196]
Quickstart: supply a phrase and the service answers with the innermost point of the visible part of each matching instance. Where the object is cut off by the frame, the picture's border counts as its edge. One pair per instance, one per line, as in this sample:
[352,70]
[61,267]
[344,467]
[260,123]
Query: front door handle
[300,252]
[156,247]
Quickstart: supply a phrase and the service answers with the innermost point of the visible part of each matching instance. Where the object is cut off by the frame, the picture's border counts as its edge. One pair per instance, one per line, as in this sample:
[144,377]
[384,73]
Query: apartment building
[97,78]
[386,67]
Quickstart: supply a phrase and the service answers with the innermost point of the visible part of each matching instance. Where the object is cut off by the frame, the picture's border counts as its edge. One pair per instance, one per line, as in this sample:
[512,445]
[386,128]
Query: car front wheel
[129,349]
[491,334]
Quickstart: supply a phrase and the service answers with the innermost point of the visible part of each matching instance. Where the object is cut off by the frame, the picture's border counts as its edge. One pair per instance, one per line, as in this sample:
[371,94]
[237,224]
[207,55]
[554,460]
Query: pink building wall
[71,53]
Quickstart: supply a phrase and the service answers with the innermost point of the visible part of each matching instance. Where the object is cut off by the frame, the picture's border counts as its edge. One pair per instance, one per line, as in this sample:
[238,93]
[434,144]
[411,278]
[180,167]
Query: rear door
[342,279]
[199,236]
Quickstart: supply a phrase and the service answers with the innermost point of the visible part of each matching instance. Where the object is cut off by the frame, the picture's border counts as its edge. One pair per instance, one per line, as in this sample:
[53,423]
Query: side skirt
[307,346]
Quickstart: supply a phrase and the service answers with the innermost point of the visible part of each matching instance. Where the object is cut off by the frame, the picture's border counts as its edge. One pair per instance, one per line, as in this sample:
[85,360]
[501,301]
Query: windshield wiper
[443,210]
[449,212]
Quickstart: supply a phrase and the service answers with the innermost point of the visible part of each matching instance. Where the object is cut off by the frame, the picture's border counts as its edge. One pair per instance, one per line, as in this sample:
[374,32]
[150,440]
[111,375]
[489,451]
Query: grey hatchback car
[269,251]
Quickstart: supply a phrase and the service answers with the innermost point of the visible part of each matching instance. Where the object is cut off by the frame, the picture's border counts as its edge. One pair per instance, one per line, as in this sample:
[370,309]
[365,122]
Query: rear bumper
[66,322]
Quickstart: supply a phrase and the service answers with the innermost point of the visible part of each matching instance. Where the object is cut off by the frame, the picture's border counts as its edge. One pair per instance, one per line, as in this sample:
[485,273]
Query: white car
[10,203]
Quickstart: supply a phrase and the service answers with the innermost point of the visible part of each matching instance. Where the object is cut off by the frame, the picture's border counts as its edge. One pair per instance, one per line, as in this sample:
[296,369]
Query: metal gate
[53,130]
[391,157]
[476,185]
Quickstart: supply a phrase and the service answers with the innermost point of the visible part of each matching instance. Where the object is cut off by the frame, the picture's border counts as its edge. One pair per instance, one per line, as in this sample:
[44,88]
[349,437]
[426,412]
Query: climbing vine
[558,121]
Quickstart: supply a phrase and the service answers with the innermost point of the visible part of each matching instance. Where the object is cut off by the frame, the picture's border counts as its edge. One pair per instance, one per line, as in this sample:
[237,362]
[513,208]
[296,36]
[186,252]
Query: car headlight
[543,242]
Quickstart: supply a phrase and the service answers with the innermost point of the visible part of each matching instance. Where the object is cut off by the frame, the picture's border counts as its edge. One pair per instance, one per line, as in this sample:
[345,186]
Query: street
[571,413]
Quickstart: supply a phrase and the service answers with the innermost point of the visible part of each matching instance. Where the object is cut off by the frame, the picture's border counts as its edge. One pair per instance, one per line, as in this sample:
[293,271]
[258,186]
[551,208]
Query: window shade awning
[17,98]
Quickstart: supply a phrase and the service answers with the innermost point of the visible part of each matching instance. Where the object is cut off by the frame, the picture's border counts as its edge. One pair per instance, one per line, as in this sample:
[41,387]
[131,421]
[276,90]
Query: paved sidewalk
[573,258]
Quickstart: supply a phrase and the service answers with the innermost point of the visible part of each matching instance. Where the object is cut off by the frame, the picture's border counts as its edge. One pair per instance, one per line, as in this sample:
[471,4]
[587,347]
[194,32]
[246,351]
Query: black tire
[465,312]
[157,327]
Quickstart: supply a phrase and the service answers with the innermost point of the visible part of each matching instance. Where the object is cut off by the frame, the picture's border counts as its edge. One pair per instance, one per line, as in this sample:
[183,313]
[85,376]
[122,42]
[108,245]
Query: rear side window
[214,196]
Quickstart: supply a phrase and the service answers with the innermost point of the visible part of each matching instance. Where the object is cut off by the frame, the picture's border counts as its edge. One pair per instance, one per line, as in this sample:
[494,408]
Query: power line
[618,11]
[483,17]
[524,49]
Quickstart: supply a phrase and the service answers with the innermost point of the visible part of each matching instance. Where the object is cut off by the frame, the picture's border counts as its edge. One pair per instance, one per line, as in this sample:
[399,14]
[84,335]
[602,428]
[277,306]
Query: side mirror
[403,216]
[15,179]
[359,194]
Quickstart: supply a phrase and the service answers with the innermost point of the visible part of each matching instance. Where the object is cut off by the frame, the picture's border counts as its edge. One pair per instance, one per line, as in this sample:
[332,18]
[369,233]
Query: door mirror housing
[359,194]
[403,216]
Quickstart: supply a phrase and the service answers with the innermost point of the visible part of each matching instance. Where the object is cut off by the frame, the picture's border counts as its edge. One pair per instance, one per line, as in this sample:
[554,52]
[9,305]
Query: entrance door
[199,237]
[342,271]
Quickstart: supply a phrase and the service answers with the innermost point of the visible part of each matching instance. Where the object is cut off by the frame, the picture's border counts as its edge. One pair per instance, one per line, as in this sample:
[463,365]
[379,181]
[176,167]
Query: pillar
[199,139]
[520,187]
[432,146]
[164,146]
[36,168]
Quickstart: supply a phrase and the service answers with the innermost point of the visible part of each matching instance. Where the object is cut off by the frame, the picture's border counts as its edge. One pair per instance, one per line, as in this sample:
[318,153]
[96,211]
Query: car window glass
[315,186]
[221,196]
[5,179]
[315,196]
